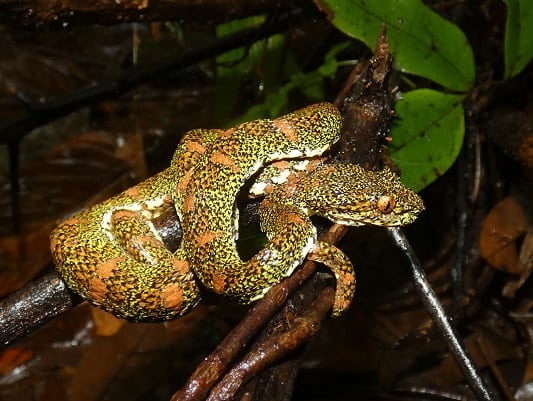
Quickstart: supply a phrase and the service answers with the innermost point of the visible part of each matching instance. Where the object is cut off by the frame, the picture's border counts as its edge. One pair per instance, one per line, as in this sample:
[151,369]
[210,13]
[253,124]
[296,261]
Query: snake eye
[386,204]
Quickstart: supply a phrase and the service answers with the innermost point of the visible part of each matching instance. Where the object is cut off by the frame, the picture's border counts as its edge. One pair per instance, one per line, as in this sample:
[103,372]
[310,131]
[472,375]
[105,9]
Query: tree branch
[62,14]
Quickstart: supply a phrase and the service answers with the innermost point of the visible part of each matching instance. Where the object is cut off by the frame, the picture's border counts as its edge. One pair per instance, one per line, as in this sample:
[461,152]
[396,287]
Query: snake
[112,255]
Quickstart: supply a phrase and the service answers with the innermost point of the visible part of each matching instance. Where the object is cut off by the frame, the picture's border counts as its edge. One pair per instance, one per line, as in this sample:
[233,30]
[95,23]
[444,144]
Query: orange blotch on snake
[80,276]
[269,188]
[329,169]
[225,160]
[292,179]
[97,290]
[207,237]
[181,265]
[182,184]
[347,279]
[133,192]
[293,218]
[281,165]
[105,268]
[313,164]
[227,133]
[188,204]
[219,283]
[172,296]
[286,129]
[125,213]
[195,147]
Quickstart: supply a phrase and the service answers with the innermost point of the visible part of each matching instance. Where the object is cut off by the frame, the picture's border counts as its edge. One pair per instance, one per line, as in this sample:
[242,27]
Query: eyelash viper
[112,255]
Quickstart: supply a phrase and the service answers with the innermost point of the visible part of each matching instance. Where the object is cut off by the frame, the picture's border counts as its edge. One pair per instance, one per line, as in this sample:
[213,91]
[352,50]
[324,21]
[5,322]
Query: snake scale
[112,255]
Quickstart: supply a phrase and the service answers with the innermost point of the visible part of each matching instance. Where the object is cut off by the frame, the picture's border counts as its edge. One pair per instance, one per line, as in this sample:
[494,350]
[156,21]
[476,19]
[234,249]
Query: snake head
[350,195]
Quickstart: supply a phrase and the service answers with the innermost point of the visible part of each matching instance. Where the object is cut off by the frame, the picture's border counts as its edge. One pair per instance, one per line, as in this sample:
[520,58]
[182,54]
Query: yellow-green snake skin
[112,255]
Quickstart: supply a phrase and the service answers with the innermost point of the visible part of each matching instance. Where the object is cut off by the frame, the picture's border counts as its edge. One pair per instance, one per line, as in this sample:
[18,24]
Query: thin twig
[496,372]
[444,325]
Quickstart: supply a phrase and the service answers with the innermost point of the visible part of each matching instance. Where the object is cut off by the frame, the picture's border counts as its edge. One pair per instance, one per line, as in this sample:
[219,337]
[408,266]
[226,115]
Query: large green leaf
[422,42]
[518,36]
[427,136]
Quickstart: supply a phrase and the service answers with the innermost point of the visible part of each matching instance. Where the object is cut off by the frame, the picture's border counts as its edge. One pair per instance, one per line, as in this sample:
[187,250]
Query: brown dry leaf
[525,265]
[103,361]
[525,391]
[106,324]
[525,151]
[448,374]
[137,358]
[528,372]
[502,227]
[62,181]
[11,358]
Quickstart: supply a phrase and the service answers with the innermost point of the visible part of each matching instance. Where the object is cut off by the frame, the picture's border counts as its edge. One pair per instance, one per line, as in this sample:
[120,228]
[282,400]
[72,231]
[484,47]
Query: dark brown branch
[366,104]
[33,306]
[43,113]
[62,14]
[212,368]
[274,348]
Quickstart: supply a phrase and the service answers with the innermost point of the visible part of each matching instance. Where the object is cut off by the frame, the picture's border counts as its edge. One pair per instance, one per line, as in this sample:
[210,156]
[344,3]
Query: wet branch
[275,348]
[37,303]
[62,14]
[441,320]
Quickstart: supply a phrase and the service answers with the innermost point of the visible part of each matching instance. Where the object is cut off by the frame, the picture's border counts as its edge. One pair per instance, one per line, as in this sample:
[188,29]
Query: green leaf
[263,65]
[310,85]
[329,67]
[236,56]
[427,136]
[421,41]
[518,36]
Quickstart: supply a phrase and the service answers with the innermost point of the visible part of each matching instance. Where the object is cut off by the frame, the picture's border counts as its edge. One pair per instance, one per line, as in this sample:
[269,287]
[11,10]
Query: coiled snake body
[112,256]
